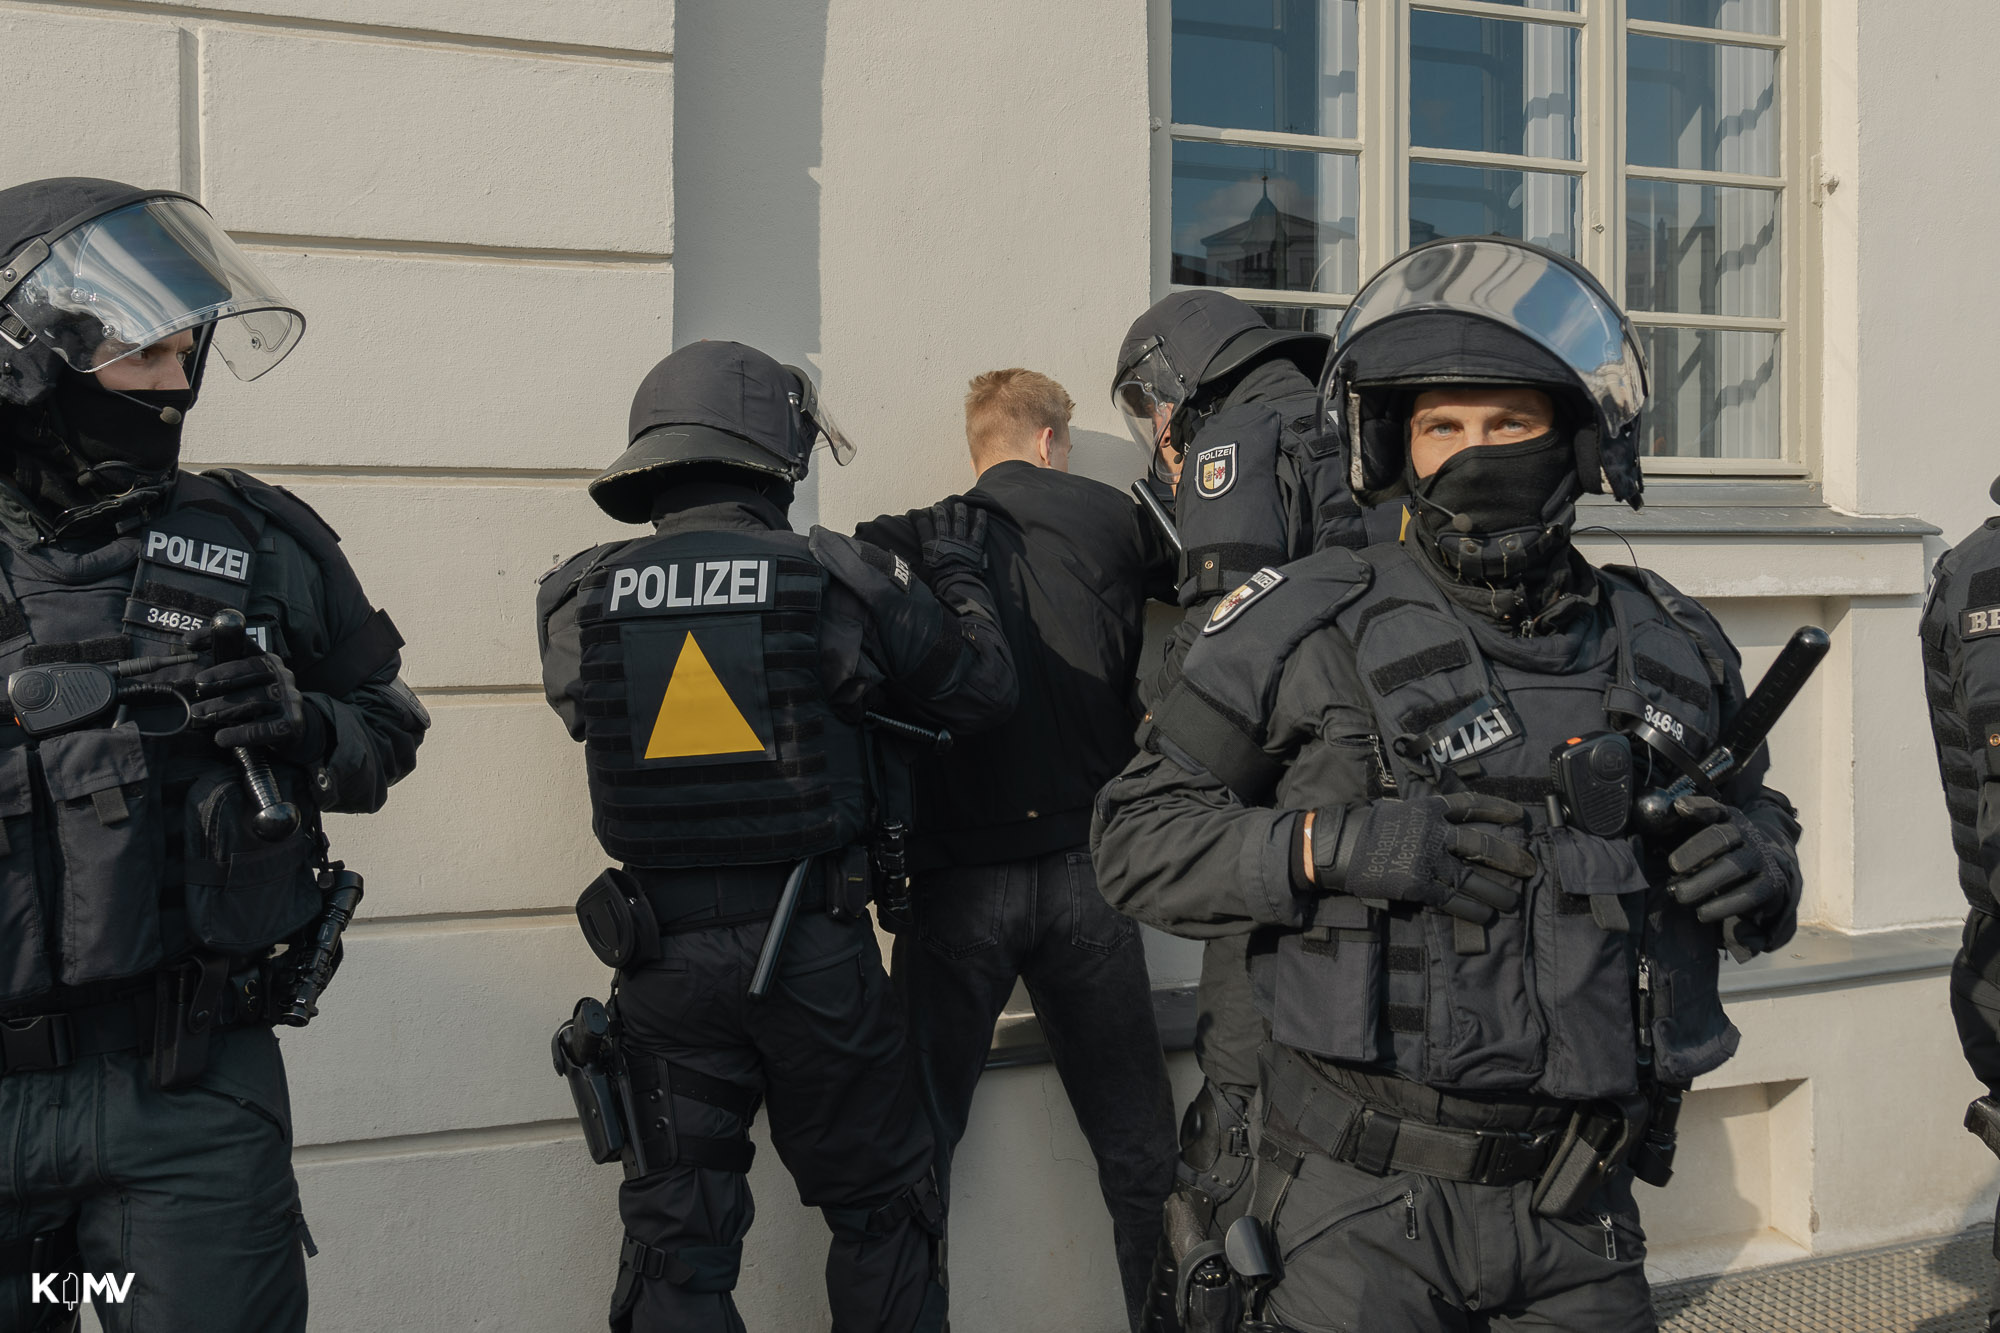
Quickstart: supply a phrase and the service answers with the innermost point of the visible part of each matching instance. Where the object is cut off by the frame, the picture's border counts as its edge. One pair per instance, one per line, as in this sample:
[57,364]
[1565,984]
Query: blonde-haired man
[1002,882]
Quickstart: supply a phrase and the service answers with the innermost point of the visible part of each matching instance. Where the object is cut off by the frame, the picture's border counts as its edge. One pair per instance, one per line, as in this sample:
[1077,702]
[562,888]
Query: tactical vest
[708,736]
[120,851]
[1964,603]
[1543,1002]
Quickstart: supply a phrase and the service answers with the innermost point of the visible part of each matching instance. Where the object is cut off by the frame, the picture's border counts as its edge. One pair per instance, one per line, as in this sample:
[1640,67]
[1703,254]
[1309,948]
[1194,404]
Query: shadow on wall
[748,89]
[748,81]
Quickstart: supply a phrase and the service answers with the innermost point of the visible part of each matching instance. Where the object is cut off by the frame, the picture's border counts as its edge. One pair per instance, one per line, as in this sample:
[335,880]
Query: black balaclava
[85,443]
[1499,514]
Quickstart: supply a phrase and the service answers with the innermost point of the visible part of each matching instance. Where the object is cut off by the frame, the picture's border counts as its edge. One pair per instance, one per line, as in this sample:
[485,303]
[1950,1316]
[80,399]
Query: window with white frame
[1314,140]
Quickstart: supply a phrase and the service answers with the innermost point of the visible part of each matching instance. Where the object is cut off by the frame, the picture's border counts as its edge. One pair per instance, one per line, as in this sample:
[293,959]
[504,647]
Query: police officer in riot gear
[1226,410]
[727,677]
[144,886]
[1416,763]
[1961,654]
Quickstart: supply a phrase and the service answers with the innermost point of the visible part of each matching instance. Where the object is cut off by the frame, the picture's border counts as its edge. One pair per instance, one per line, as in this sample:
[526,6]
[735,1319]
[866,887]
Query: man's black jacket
[1071,563]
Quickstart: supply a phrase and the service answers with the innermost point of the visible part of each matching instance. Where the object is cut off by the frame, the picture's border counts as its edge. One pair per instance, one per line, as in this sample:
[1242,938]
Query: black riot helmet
[723,405]
[1486,310]
[1188,342]
[92,271]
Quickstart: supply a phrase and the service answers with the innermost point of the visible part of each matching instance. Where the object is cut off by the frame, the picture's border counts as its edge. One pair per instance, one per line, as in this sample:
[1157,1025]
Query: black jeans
[826,1050]
[977,929]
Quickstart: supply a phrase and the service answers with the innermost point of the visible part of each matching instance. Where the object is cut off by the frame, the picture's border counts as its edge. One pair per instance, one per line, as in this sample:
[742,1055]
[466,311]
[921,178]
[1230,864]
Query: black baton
[939,740]
[1747,732]
[276,818]
[774,934]
[1151,504]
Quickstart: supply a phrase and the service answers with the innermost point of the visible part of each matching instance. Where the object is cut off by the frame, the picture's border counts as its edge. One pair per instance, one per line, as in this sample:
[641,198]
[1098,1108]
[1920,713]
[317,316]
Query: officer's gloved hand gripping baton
[276,818]
[1656,811]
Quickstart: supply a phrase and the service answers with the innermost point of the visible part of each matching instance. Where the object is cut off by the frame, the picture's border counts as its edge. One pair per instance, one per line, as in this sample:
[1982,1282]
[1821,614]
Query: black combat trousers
[826,1049]
[1408,1253]
[978,929]
[189,1191]
[1975,1009]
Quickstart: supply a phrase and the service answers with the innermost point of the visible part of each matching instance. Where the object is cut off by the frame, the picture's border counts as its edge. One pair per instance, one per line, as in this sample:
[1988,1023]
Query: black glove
[953,534]
[255,701]
[1736,871]
[1425,851]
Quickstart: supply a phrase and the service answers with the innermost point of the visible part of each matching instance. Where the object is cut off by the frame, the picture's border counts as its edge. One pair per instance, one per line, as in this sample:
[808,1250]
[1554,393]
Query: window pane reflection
[1715,393]
[1759,16]
[1492,85]
[1702,106]
[1309,318]
[1558,6]
[1264,217]
[1536,206]
[1284,65]
[1701,249]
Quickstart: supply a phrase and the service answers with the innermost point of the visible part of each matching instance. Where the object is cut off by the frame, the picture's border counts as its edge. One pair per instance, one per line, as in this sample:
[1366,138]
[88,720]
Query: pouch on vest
[243,894]
[850,882]
[1691,1033]
[23,937]
[1327,996]
[618,921]
[1582,959]
[109,836]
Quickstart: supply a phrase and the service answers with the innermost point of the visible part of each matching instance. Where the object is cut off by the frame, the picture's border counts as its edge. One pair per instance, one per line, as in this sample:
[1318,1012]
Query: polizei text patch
[675,587]
[203,557]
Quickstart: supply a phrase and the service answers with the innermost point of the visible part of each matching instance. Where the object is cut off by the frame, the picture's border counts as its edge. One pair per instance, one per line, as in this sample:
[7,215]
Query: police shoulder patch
[1232,606]
[1978,622]
[1215,470]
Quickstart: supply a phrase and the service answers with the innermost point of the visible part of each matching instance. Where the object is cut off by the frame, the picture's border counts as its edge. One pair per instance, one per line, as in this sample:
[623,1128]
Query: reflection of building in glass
[1271,248]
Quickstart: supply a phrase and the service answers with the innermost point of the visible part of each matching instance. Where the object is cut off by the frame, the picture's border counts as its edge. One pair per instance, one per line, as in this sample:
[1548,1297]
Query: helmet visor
[1539,295]
[121,282]
[817,420]
[1147,393]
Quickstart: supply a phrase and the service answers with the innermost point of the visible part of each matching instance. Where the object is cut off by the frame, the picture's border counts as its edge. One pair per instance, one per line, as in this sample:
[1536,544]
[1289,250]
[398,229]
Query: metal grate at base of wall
[1937,1286]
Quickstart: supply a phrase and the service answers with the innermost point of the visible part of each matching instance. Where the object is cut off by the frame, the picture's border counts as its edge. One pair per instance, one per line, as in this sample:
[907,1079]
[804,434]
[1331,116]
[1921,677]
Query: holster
[1982,1118]
[1205,1296]
[584,1059]
[1599,1138]
[188,1004]
[617,920]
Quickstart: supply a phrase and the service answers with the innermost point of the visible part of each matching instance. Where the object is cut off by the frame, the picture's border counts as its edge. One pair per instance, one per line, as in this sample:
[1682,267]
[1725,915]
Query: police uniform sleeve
[345,654]
[1200,835]
[887,633]
[1229,506]
[560,638]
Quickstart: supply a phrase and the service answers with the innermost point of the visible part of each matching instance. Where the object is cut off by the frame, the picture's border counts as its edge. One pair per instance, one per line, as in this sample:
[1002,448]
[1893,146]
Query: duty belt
[710,897]
[36,1042]
[1304,1107]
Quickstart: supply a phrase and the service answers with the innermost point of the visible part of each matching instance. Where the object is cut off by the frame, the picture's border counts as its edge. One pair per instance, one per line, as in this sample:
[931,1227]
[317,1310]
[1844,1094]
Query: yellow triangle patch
[697,716]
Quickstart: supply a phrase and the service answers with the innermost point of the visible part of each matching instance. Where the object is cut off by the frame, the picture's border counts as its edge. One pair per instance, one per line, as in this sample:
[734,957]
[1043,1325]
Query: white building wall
[473,204]
[499,213]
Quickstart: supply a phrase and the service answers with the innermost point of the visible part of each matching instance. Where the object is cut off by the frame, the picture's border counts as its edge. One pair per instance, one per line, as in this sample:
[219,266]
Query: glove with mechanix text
[1742,869]
[1450,852]
[255,701]
[953,538]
